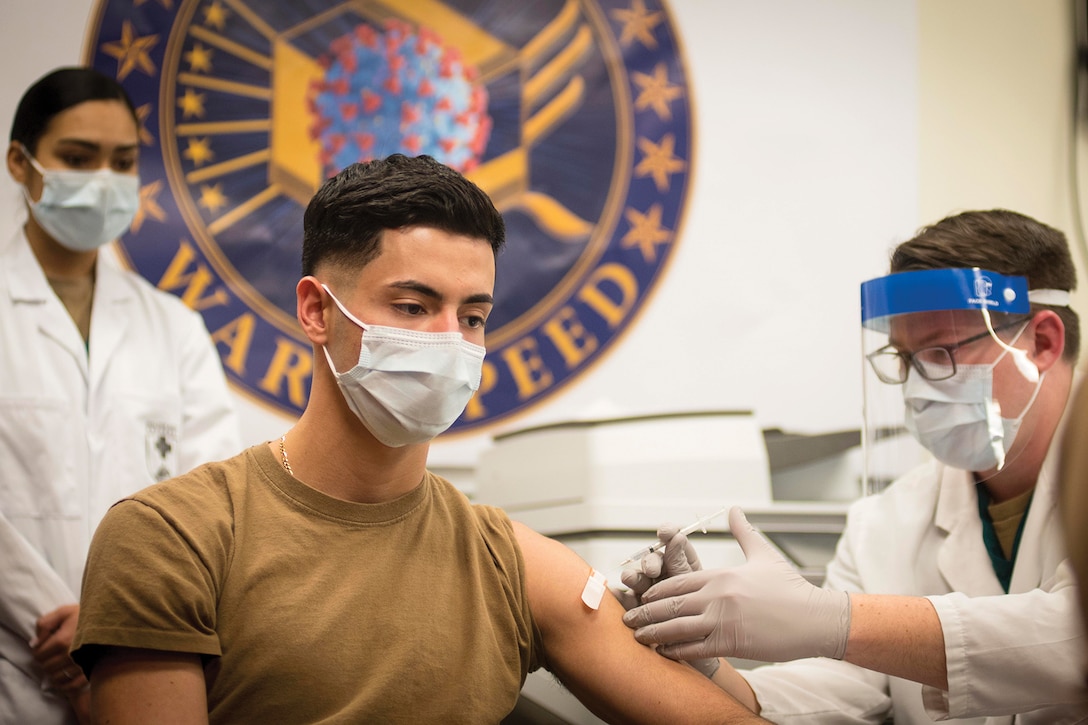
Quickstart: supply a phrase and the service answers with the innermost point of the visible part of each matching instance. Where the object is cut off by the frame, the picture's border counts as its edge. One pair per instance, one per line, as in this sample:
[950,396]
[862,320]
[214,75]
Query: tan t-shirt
[308,608]
[1006,517]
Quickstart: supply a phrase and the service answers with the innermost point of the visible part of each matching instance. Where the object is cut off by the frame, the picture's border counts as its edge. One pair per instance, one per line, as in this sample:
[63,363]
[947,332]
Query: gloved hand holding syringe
[643,573]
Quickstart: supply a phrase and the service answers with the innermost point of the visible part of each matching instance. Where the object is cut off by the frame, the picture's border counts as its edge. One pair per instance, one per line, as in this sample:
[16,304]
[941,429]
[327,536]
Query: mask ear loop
[34,165]
[343,309]
[1020,357]
[30,157]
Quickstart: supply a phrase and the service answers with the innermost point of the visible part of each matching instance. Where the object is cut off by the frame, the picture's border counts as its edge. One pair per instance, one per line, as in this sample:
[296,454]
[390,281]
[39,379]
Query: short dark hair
[1002,241]
[58,91]
[346,217]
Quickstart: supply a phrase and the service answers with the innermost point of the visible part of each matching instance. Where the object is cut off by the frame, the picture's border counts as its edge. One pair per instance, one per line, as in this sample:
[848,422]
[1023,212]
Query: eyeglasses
[892,365]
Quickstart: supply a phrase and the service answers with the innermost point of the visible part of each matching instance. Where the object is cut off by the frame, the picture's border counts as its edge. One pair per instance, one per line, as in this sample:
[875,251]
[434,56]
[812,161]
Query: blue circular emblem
[574,116]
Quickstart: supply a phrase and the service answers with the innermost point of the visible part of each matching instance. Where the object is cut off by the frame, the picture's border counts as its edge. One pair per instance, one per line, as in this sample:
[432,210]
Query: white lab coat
[1006,654]
[81,428]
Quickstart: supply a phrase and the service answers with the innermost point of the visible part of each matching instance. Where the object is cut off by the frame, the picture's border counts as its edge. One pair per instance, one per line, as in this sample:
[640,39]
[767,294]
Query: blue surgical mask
[83,210]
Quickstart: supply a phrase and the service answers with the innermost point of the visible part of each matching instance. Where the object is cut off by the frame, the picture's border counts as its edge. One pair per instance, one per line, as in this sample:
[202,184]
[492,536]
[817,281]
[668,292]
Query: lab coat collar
[27,282]
[29,287]
[29,291]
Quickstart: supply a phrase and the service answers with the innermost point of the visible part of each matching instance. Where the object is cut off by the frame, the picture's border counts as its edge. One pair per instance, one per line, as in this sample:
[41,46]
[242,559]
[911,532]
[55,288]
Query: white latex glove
[678,557]
[762,610]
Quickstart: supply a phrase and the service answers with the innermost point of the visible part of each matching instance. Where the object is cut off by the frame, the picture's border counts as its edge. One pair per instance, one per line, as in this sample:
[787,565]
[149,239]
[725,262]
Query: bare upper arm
[596,655]
[141,686]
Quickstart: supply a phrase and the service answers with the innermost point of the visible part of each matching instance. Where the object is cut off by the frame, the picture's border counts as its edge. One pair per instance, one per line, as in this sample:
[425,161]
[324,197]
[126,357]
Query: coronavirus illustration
[397,90]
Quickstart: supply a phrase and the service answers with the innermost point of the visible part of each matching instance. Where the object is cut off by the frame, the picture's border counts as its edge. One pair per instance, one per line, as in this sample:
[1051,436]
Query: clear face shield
[947,371]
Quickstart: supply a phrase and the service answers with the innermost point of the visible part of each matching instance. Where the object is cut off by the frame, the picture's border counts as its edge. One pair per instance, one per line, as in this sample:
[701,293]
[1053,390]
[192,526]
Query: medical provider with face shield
[106,384]
[950,595]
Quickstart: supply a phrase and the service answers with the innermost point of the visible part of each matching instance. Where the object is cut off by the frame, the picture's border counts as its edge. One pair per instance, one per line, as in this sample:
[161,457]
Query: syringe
[699,525]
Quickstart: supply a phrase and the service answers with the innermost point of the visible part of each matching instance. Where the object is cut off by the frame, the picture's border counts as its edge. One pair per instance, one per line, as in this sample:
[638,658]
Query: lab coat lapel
[32,295]
[962,559]
[1028,570]
[1039,553]
[109,317]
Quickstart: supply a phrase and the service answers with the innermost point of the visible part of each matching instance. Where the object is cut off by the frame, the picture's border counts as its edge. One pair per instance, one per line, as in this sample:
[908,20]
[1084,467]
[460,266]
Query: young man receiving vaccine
[328,576]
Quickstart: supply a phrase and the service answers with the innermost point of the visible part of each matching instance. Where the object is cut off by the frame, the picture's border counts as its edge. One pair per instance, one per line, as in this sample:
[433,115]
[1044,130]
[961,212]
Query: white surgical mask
[83,210]
[408,386]
[958,420]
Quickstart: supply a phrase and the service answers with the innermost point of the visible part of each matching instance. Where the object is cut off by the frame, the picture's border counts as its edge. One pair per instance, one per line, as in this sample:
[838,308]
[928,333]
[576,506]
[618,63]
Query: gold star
[142,112]
[191,104]
[212,198]
[199,151]
[637,23]
[131,52]
[646,232]
[655,91]
[659,160]
[216,15]
[200,59]
[149,205]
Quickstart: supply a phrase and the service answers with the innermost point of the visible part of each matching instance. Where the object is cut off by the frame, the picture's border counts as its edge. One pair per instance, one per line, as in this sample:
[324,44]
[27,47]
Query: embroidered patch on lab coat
[161,446]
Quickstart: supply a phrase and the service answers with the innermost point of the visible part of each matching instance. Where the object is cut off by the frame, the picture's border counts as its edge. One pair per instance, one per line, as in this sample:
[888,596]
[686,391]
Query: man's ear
[311,306]
[1048,334]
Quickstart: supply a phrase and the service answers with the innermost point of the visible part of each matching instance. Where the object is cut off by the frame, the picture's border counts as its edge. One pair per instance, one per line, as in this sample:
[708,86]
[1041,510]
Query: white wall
[806,174]
[994,111]
[827,130]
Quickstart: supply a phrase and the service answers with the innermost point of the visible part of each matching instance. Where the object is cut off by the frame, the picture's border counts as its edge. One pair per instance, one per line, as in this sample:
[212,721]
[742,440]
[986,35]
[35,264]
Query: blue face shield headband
[934,290]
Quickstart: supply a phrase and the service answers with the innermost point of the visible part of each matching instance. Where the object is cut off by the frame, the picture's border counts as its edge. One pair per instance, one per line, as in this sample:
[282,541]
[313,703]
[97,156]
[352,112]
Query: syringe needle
[699,525]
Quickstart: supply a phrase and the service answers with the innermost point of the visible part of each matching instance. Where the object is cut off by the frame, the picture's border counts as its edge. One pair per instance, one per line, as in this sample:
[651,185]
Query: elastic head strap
[1052,297]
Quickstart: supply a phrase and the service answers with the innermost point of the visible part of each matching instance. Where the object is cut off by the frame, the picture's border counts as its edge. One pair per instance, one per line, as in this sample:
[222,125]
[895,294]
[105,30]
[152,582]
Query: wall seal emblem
[574,115]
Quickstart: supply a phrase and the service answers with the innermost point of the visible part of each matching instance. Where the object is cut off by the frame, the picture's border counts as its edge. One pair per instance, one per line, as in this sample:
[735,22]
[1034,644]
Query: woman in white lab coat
[962,605]
[106,384]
